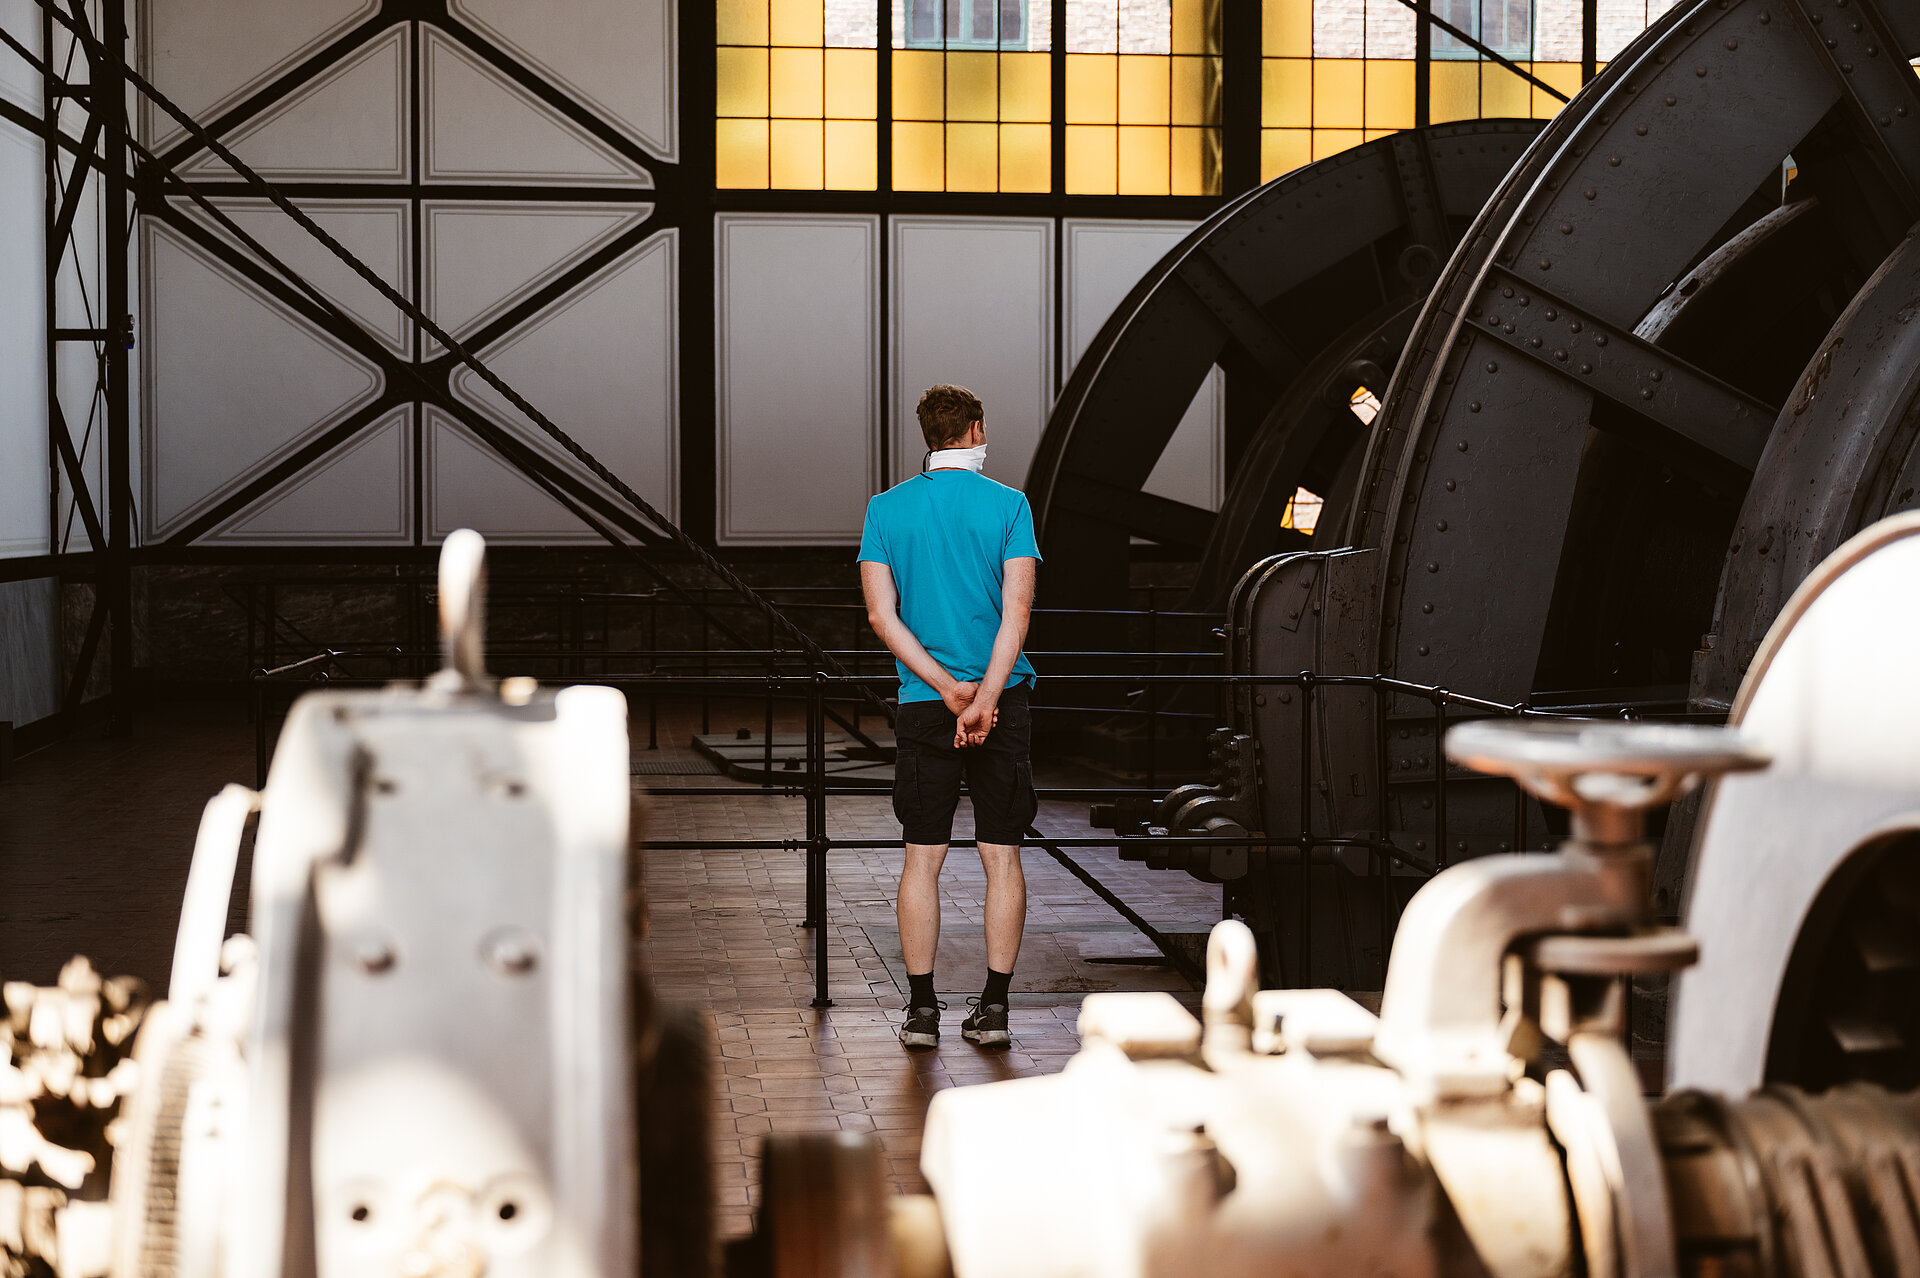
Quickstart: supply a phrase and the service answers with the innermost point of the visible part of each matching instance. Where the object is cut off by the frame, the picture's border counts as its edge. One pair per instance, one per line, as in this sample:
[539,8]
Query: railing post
[817,829]
[706,663]
[766,744]
[1153,693]
[1306,830]
[1388,911]
[257,703]
[653,665]
[1440,860]
[812,918]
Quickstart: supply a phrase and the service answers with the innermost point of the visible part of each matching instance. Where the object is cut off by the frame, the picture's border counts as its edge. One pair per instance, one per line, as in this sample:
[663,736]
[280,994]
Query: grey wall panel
[19,83]
[469,486]
[232,381]
[359,494]
[1103,259]
[208,54]
[603,364]
[29,650]
[481,126]
[350,123]
[24,476]
[617,56]
[375,231]
[483,256]
[798,347]
[973,304]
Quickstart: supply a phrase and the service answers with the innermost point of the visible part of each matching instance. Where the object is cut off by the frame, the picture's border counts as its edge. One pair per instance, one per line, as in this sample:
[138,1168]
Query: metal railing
[812,692]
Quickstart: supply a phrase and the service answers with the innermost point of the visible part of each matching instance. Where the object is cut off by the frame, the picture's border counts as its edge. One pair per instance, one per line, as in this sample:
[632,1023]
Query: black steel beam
[1612,362]
[1589,40]
[77,184]
[1160,519]
[1858,50]
[107,59]
[1422,63]
[1420,194]
[76,476]
[1240,89]
[1243,322]
[33,567]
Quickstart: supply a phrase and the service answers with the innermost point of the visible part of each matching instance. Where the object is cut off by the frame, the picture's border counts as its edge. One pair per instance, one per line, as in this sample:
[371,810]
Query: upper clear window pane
[1504,26]
[965,24]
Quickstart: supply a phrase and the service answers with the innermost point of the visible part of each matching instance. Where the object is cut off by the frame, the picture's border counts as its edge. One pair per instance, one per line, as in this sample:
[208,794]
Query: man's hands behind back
[959,697]
[971,724]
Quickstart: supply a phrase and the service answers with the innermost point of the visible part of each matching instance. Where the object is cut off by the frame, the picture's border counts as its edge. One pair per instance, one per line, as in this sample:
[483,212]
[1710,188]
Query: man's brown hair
[945,412]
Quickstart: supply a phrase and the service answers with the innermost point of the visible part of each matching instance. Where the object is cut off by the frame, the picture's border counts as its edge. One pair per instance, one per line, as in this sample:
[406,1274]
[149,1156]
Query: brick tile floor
[724,934]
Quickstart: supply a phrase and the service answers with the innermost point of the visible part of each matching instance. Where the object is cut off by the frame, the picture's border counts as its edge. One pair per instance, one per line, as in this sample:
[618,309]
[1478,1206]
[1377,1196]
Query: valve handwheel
[1605,773]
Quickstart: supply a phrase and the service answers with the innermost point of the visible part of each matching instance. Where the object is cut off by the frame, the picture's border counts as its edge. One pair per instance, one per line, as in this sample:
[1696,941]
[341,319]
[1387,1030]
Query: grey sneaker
[986,1025]
[922,1027]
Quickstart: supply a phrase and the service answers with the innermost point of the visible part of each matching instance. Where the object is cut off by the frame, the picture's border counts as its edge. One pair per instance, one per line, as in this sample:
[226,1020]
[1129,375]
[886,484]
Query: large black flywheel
[1564,469]
[1555,492]
[1302,291]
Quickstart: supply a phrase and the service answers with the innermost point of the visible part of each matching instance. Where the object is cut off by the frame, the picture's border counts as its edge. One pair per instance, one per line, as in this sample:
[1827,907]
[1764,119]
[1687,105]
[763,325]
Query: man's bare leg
[1006,904]
[986,1025]
[918,908]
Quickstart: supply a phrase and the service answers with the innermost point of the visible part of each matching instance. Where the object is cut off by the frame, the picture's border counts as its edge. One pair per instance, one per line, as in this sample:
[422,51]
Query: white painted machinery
[426,1055]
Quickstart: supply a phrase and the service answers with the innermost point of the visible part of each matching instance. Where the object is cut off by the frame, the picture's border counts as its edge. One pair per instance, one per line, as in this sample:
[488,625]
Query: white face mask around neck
[973,459]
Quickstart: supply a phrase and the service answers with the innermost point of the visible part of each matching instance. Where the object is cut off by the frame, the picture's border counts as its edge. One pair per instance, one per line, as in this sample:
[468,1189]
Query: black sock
[920,991]
[996,991]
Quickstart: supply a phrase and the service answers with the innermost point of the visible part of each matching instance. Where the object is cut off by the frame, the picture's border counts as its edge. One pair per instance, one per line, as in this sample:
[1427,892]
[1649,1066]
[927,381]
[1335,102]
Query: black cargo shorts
[999,773]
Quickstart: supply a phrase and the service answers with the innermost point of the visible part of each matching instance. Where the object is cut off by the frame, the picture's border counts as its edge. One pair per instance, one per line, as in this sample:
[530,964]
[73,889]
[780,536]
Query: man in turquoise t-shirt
[947,562]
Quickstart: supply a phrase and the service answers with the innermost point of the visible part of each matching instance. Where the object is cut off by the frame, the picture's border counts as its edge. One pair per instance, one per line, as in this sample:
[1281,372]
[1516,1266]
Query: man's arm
[1016,608]
[883,614]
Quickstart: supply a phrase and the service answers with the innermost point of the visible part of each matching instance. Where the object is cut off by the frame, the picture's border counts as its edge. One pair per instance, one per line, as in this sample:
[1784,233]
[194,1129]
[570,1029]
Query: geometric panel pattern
[615,55]
[207,55]
[348,123]
[798,376]
[973,304]
[491,165]
[481,126]
[361,493]
[470,486]
[482,257]
[281,382]
[375,231]
[603,364]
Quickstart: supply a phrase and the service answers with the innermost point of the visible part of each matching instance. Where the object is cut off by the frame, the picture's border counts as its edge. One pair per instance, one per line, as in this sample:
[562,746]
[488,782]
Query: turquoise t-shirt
[947,535]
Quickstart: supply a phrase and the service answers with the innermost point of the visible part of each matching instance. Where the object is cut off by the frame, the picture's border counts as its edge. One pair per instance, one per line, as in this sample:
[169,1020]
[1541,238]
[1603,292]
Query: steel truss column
[116,574]
[106,518]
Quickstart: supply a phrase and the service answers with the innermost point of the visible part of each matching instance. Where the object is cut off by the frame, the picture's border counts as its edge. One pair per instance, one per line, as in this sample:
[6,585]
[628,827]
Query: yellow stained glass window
[796,98]
[972,95]
[1336,73]
[1143,97]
